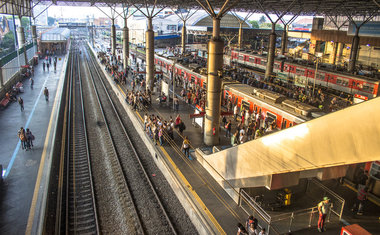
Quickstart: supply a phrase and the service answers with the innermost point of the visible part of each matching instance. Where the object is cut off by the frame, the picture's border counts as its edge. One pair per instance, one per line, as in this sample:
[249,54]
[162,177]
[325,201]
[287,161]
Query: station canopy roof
[301,7]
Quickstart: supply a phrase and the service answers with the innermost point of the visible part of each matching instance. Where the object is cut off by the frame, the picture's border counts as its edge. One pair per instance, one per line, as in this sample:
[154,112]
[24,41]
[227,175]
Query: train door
[284,123]
[271,118]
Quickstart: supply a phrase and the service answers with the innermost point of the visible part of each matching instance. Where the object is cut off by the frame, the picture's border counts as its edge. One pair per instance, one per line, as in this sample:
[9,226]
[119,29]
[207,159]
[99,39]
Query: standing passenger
[29,138]
[21,135]
[46,93]
[323,208]
[21,102]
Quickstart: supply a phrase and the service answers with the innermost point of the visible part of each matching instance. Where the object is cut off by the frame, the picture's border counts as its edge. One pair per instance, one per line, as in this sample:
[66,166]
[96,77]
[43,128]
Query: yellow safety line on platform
[40,172]
[355,190]
[188,185]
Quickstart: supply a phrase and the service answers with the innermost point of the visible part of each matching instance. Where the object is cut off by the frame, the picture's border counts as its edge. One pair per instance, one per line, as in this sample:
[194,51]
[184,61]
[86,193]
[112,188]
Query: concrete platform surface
[21,167]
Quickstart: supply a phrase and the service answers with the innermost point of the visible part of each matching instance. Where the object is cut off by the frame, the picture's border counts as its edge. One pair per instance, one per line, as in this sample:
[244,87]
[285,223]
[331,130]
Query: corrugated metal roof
[55,35]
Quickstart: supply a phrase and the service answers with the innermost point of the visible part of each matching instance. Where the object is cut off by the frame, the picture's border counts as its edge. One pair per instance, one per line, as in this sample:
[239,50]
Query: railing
[318,190]
[296,220]
[12,63]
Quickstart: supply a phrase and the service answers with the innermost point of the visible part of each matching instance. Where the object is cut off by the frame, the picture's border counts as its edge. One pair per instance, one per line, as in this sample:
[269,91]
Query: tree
[262,20]
[51,21]
[25,22]
[254,24]
[7,44]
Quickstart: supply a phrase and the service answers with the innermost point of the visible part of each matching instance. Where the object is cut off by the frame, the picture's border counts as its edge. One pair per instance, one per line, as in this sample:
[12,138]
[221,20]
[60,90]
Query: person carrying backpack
[186,147]
[22,137]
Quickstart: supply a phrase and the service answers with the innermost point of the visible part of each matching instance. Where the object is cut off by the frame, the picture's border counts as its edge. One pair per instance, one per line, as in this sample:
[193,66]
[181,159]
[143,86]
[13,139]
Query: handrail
[263,214]
[328,190]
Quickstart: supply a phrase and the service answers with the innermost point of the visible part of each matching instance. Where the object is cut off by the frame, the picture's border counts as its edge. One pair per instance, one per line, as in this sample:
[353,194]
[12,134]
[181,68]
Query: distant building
[304,24]
[5,26]
[102,21]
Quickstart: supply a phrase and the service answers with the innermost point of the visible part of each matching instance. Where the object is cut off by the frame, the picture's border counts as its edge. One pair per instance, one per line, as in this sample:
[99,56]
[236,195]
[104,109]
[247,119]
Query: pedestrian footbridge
[322,148]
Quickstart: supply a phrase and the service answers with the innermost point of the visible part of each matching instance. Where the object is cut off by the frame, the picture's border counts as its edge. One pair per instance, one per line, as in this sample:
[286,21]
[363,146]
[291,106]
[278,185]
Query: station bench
[4,102]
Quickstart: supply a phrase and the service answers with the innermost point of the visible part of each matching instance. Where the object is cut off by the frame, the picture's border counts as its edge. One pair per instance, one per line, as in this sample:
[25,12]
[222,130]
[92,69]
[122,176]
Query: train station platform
[25,172]
[218,202]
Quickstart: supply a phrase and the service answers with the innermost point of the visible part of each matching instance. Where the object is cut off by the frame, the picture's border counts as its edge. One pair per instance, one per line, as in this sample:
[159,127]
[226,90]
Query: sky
[83,12]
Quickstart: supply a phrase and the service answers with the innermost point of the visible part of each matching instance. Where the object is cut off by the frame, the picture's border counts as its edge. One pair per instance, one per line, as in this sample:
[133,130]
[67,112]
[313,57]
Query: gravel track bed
[113,208]
[177,214]
[151,215]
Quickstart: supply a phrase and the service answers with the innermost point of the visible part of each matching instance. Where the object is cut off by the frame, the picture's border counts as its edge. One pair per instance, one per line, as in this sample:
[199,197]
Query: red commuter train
[303,74]
[276,108]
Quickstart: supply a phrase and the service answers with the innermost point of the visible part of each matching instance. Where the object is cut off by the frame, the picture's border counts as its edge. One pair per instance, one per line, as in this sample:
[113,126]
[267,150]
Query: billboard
[369,29]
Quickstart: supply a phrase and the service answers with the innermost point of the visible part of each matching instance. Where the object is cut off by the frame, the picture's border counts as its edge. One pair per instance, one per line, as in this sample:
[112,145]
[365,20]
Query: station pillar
[149,37]
[339,55]
[284,41]
[214,85]
[125,45]
[240,38]
[21,41]
[354,52]
[113,37]
[271,52]
[183,39]
[334,52]
[34,36]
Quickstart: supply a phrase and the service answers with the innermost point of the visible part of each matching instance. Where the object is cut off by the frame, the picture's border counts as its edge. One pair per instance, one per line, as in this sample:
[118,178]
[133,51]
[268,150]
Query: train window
[368,87]
[241,57]
[244,104]
[263,63]
[300,71]
[251,59]
[321,76]
[276,66]
[271,118]
[290,124]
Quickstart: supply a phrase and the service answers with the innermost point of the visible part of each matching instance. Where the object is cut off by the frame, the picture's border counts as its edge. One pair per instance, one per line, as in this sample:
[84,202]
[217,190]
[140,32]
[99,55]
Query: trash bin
[35,60]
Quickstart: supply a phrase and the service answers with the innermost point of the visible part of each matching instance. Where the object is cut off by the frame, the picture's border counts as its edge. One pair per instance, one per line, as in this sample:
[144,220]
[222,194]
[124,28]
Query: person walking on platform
[360,199]
[43,66]
[323,209]
[21,102]
[47,66]
[21,135]
[31,82]
[228,128]
[55,65]
[29,138]
[46,93]
[186,147]
[235,112]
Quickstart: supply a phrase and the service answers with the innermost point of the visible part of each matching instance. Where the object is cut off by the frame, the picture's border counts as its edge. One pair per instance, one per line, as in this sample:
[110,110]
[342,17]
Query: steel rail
[133,148]
[81,216]
[134,209]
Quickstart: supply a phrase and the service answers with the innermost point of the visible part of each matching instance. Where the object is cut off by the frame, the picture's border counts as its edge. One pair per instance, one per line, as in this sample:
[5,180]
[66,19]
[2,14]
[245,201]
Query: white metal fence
[13,66]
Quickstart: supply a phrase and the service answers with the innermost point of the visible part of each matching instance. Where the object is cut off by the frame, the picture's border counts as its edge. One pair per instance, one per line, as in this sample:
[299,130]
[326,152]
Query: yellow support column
[240,39]
[271,52]
[125,44]
[184,38]
[113,37]
[214,86]
[149,37]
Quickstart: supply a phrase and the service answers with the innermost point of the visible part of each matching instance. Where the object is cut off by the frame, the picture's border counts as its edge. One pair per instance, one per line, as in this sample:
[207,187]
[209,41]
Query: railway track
[76,208]
[147,214]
